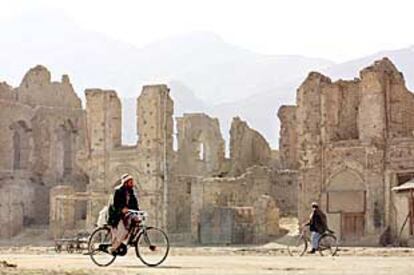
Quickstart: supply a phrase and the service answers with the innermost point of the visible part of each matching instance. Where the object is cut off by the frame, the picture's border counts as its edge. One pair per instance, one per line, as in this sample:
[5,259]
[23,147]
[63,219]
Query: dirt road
[225,262]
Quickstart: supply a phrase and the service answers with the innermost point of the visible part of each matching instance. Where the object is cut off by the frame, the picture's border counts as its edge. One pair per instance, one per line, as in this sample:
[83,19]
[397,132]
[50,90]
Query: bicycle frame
[138,229]
[304,235]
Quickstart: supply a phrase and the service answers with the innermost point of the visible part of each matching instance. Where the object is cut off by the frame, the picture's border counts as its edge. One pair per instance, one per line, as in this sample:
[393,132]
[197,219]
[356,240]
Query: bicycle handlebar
[139,212]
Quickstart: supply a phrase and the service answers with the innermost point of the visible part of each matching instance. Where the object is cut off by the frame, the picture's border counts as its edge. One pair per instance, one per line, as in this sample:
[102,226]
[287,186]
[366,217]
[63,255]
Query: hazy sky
[337,30]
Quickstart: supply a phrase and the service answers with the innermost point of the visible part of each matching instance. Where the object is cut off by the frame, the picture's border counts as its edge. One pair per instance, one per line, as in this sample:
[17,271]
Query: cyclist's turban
[125,178]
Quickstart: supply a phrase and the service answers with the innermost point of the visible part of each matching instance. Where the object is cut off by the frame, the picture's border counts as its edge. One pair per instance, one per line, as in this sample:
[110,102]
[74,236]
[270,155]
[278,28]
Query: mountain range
[203,71]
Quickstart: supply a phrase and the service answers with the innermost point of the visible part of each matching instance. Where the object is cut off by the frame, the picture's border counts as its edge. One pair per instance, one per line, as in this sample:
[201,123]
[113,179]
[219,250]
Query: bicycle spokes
[152,246]
[98,247]
[328,244]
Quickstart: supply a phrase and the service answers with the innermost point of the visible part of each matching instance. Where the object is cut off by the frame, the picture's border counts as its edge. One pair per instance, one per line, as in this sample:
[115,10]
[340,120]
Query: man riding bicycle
[120,218]
[317,225]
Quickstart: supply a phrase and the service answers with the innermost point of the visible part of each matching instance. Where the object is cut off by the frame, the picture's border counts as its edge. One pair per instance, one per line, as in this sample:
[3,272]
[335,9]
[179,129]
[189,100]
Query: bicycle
[151,244]
[327,244]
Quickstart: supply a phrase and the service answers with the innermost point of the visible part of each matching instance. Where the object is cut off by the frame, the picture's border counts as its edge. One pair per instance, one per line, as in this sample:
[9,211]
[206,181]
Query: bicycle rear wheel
[297,246]
[328,245]
[152,246]
[99,243]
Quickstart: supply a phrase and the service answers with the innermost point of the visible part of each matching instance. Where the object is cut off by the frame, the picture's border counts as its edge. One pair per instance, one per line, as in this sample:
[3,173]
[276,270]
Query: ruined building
[61,162]
[346,144]
[41,130]
[352,142]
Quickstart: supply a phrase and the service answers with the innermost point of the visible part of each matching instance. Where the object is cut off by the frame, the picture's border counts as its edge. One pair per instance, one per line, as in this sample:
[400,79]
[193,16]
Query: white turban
[125,178]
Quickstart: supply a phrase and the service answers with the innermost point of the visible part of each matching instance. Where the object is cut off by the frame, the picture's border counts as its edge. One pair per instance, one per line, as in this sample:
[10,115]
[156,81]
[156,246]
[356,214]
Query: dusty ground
[216,260]
[32,258]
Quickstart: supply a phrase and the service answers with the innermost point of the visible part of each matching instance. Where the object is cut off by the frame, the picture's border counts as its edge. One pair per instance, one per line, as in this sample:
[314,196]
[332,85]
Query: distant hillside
[205,73]
[260,109]
[402,58]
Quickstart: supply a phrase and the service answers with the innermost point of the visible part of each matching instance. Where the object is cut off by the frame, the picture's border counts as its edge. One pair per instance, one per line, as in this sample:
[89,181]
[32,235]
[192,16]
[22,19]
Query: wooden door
[353,226]
[411,212]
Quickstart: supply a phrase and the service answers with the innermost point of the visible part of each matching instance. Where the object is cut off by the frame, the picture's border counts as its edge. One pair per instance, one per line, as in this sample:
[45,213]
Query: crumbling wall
[17,207]
[37,83]
[288,137]
[385,86]
[155,146]
[7,92]
[266,219]
[42,130]
[247,148]
[62,210]
[348,130]
[179,203]
[103,111]
[214,202]
[339,107]
[227,225]
[148,162]
[309,122]
[242,191]
[200,145]
[284,190]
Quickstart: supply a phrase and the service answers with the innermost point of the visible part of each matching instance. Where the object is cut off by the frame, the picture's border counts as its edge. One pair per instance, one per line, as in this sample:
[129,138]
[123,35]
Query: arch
[204,145]
[201,151]
[65,146]
[21,144]
[346,179]
[346,198]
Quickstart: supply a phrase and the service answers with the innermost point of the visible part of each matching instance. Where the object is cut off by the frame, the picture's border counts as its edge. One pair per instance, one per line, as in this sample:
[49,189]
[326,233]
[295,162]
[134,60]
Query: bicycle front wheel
[328,245]
[99,243]
[152,246]
[297,246]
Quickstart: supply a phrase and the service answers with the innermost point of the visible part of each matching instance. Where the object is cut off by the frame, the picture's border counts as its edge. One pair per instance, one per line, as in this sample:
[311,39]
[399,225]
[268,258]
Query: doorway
[346,197]
[352,226]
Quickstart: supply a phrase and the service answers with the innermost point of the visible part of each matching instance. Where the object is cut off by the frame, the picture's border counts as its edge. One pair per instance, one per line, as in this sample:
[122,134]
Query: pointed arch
[21,139]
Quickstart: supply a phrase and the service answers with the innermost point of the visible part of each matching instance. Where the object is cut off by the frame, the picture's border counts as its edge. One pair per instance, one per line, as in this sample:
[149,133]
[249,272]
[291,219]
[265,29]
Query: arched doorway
[346,199]
[64,147]
[21,145]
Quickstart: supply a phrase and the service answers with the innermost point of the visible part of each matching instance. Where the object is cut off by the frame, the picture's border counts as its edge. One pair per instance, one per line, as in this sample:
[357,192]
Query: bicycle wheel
[298,246]
[70,248]
[152,246]
[98,245]
[328,245]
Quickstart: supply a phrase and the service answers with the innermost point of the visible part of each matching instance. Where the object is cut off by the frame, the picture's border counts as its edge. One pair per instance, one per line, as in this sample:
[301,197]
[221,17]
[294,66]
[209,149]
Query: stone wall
[42,129]
[62,210]
[148,162]
[37,83]
[284,190]
[227,225]
[242,191]
[353,139]
[68,159]
[247,148]
[200,146]
[288,137]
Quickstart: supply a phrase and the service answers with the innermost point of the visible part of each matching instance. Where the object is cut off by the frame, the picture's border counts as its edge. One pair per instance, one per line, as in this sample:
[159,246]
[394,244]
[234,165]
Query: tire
[152,246]
[58,248]
[70,248]
[298,246]
[328,245]
[79,248]
[99,238]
